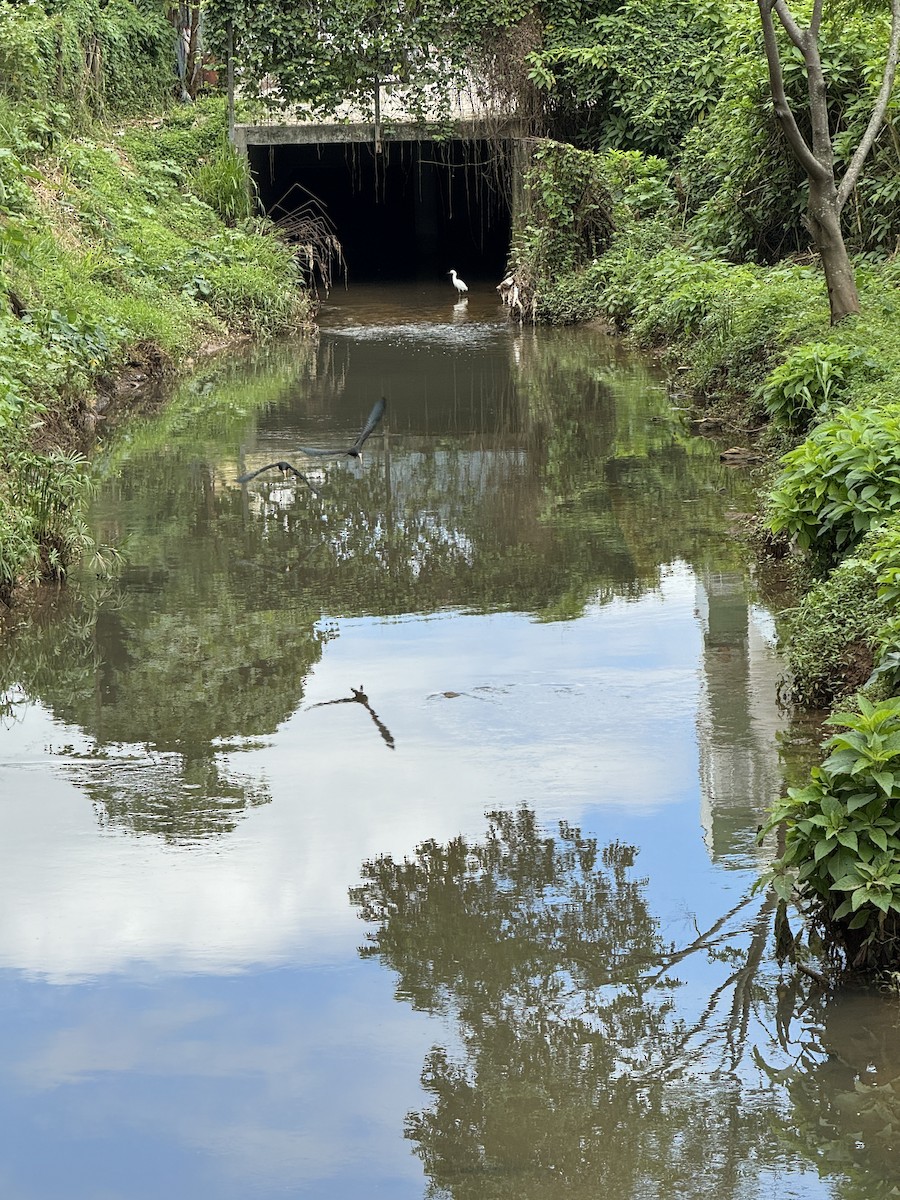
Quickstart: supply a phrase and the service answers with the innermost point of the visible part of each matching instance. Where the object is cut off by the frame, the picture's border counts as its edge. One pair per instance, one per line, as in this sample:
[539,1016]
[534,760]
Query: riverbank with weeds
[127,253]
[812,409]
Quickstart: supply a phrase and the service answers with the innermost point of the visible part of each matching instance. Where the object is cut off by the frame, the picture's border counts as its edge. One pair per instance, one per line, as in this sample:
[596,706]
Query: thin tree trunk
[229,67]
[824,222]
[193,52]
[826,197]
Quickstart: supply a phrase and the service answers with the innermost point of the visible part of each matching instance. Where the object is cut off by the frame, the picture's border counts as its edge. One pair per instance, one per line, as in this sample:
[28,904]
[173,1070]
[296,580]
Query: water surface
[399,840]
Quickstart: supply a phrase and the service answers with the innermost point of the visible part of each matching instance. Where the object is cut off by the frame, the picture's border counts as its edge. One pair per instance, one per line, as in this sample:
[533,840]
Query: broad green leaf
[879,837]
[822,850]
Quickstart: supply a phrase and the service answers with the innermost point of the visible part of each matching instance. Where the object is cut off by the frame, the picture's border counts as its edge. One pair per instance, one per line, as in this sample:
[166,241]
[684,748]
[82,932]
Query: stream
[398,838]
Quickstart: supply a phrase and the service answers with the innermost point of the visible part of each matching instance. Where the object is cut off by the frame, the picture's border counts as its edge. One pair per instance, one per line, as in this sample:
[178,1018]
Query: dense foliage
[325,56]
[842,839]
[122,248]
[68,62]
[840,482]
[635,75]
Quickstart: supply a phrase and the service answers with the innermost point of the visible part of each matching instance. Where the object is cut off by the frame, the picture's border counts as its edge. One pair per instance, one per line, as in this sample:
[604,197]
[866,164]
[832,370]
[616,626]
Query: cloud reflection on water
[560,723]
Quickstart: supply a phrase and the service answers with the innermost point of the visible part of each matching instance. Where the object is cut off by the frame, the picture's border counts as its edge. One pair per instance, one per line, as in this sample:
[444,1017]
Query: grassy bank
[819,406]
[127,246]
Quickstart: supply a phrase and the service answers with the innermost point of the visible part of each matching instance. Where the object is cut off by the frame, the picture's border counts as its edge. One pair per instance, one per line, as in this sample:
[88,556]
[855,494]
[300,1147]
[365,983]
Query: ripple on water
[470,333]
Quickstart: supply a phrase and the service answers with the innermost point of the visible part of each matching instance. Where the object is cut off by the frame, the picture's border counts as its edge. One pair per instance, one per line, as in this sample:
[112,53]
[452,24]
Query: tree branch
[797,35]
[851,176]
[703,940]
[816,20]
[822,147]
[802,151]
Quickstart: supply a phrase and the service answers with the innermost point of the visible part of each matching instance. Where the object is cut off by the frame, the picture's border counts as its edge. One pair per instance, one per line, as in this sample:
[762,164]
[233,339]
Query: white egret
[461,287]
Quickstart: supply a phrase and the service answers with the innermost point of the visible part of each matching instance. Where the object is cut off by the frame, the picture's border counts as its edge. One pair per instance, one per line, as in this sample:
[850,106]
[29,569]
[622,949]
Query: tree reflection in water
[533,490]
[548,481]
[579,1075]
[843,1080]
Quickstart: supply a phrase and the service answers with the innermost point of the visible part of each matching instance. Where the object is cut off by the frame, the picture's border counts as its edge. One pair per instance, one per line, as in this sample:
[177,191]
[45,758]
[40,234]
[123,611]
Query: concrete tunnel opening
[410,212]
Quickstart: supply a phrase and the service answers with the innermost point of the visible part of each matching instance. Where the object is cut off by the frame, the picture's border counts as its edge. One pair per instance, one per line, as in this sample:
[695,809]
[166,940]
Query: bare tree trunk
[193,52]
[826,197]
[823,219]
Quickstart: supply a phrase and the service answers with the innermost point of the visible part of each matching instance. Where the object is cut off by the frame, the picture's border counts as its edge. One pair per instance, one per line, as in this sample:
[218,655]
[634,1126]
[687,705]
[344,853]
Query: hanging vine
[324,56]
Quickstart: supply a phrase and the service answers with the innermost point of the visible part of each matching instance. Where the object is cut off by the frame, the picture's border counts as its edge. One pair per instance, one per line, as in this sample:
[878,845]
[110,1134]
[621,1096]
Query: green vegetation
[703,256]
[831,634]
[327,55]
[127,242]
[674,202]
[839,483]
[633,76]
[756,342]
[809,381]
[842,836]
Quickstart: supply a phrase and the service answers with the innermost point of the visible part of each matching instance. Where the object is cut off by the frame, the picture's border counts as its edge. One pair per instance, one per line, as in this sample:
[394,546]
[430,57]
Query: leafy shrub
[628,265]
[42,531]
[750,321]
[727,323]
[640,184]
[883,547]
[245,297]
[577,296]
[885,677]
[632,75]
[686,291]
[809,381]
[17,549]
[191,134]
[839,483]
[832,631]
[842,837]
[106,58]
[882,551]
[568,219]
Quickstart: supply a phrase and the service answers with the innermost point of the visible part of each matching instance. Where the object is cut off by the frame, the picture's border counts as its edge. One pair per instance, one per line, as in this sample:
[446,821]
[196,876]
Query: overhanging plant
[841,856]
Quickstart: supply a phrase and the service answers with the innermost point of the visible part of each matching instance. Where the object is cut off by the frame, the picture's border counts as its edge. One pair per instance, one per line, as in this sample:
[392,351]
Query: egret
[365,433]
[461,287]
[285,468]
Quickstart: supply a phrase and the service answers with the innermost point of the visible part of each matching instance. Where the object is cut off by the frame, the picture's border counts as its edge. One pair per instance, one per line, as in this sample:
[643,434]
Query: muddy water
[399,839]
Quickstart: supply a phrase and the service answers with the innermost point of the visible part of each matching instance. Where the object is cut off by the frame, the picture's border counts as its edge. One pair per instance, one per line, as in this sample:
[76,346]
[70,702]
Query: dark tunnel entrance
[411,212]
